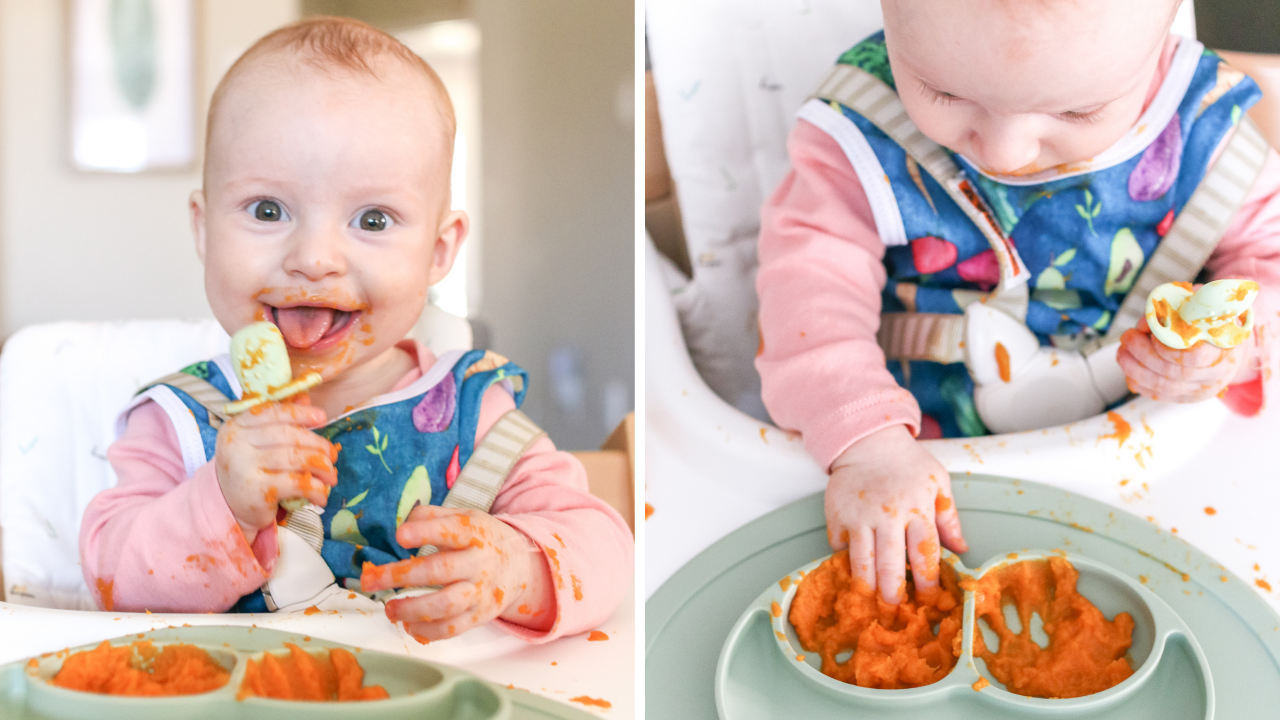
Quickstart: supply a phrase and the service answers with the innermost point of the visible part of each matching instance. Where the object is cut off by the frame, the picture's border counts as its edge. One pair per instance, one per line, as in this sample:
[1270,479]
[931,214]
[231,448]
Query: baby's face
[1024,85]
[325,210]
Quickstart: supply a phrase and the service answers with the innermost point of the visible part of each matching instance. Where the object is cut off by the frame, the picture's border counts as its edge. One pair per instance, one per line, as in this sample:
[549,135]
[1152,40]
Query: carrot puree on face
[893,646]
[303,676]
[139,669]
[1086,651]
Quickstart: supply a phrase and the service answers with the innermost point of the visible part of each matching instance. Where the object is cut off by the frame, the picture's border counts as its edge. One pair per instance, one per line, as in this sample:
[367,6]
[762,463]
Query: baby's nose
[316,254]
[1007,148]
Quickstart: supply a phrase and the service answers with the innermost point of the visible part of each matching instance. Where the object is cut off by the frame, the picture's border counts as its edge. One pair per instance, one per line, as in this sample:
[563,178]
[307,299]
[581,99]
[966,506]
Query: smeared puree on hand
[141,670]
[1086,651]
[334,675]
[893,646]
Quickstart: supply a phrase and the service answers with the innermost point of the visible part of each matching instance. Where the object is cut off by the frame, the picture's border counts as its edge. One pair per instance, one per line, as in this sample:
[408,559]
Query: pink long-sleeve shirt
[161,541]
[822,272]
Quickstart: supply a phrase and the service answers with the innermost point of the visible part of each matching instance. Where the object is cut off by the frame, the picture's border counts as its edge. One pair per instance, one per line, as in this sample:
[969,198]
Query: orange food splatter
[597,636]
[140,670]
[1122,428]
[893,646]
[105,591]
[332,675]
[648,510]
[1209,510]
[1086,651]
[775,609]
[1002,362]
[941,503]
[982,682]
[312,610]
[577,587]
[785,583]
[591,702]
[1263,584]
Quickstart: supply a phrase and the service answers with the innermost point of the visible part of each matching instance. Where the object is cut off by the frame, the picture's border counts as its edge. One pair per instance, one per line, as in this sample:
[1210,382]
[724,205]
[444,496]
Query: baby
[1079,129]
[325,210]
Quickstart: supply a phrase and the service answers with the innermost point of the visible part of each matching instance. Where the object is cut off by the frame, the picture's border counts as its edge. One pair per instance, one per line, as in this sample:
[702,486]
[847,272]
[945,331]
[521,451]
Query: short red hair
[337,44]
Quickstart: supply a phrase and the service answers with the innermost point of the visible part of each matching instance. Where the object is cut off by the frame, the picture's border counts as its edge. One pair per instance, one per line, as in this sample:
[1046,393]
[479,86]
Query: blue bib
[405,450]
[1084,236]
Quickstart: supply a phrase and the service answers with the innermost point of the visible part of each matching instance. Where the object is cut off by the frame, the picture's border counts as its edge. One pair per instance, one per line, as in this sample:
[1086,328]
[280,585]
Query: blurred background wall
[546,98]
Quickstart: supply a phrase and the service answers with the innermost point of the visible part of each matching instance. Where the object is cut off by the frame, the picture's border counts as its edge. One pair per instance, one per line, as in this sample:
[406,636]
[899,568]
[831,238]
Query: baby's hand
[488,569]
[886,488]
[268,454]
[1164,373]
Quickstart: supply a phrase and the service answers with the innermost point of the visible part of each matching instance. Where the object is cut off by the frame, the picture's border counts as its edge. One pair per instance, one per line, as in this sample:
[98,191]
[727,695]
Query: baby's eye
[268,211]
[373,221]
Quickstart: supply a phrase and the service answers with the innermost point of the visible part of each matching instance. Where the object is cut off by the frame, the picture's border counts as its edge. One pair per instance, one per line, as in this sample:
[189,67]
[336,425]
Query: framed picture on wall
[132,85]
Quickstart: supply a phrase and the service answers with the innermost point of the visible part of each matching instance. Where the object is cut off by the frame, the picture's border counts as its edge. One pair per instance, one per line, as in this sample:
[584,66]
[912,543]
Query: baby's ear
[449,238]
[196,204]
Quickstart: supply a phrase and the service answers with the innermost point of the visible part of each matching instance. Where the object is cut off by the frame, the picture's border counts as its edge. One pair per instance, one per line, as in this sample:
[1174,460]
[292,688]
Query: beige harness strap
[202,391]
[491,462]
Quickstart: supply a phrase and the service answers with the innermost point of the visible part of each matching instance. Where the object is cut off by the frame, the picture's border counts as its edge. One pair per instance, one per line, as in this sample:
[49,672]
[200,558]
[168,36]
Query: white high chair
[729,77]
[61,388]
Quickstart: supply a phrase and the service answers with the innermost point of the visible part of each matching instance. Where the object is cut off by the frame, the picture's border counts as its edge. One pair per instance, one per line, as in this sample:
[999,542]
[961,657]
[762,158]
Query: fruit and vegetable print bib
[1084,230]
[402,450]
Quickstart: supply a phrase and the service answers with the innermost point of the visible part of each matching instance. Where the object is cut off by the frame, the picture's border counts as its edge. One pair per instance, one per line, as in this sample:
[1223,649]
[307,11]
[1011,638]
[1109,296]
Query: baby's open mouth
[304,326]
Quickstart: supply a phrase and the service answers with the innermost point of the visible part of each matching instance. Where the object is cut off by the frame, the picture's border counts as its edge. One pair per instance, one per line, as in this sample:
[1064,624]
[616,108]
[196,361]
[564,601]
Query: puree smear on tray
[1086,651]
[141,669]
[304,676]
[893,646]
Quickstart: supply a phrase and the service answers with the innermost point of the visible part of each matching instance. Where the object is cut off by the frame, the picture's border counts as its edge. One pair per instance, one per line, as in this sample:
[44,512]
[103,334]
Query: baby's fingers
[295,459]
[891,563]
[442,568]
[296,484]
[947,518]
[862,556]
[1147,382]
[447,628]
[304,415]
[452,600]
[922,550]
[444,528]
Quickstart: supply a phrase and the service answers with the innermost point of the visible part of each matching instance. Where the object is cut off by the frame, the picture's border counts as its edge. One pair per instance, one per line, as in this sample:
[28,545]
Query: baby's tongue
[303,327]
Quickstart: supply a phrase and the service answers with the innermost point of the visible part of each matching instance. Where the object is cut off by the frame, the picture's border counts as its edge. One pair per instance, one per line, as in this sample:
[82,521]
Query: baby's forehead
[287,66]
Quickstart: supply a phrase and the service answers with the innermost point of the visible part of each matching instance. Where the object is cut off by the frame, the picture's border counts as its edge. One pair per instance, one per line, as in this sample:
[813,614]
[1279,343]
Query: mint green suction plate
[1203,648]
[1171,679]
[418,689]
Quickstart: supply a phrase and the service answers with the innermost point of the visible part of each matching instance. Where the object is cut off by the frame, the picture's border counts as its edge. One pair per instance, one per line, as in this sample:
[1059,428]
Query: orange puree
[303,676]
[893,646]
[139,669]
[1086,651]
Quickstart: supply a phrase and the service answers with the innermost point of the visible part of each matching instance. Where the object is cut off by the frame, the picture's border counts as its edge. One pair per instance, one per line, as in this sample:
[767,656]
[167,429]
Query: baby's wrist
[881,440]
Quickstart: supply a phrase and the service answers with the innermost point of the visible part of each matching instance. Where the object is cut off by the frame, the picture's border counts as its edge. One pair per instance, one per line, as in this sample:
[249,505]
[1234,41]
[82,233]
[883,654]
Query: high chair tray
[689,618]
[417,688]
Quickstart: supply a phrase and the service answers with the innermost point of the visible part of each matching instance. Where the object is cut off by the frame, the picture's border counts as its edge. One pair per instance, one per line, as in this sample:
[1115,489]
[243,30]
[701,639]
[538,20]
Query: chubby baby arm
[887,500]
[161,541]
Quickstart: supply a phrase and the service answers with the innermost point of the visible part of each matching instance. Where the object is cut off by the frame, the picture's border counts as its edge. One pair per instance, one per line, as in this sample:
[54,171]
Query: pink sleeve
[586,544]
[820,279]
[1250,249]
[162,542]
